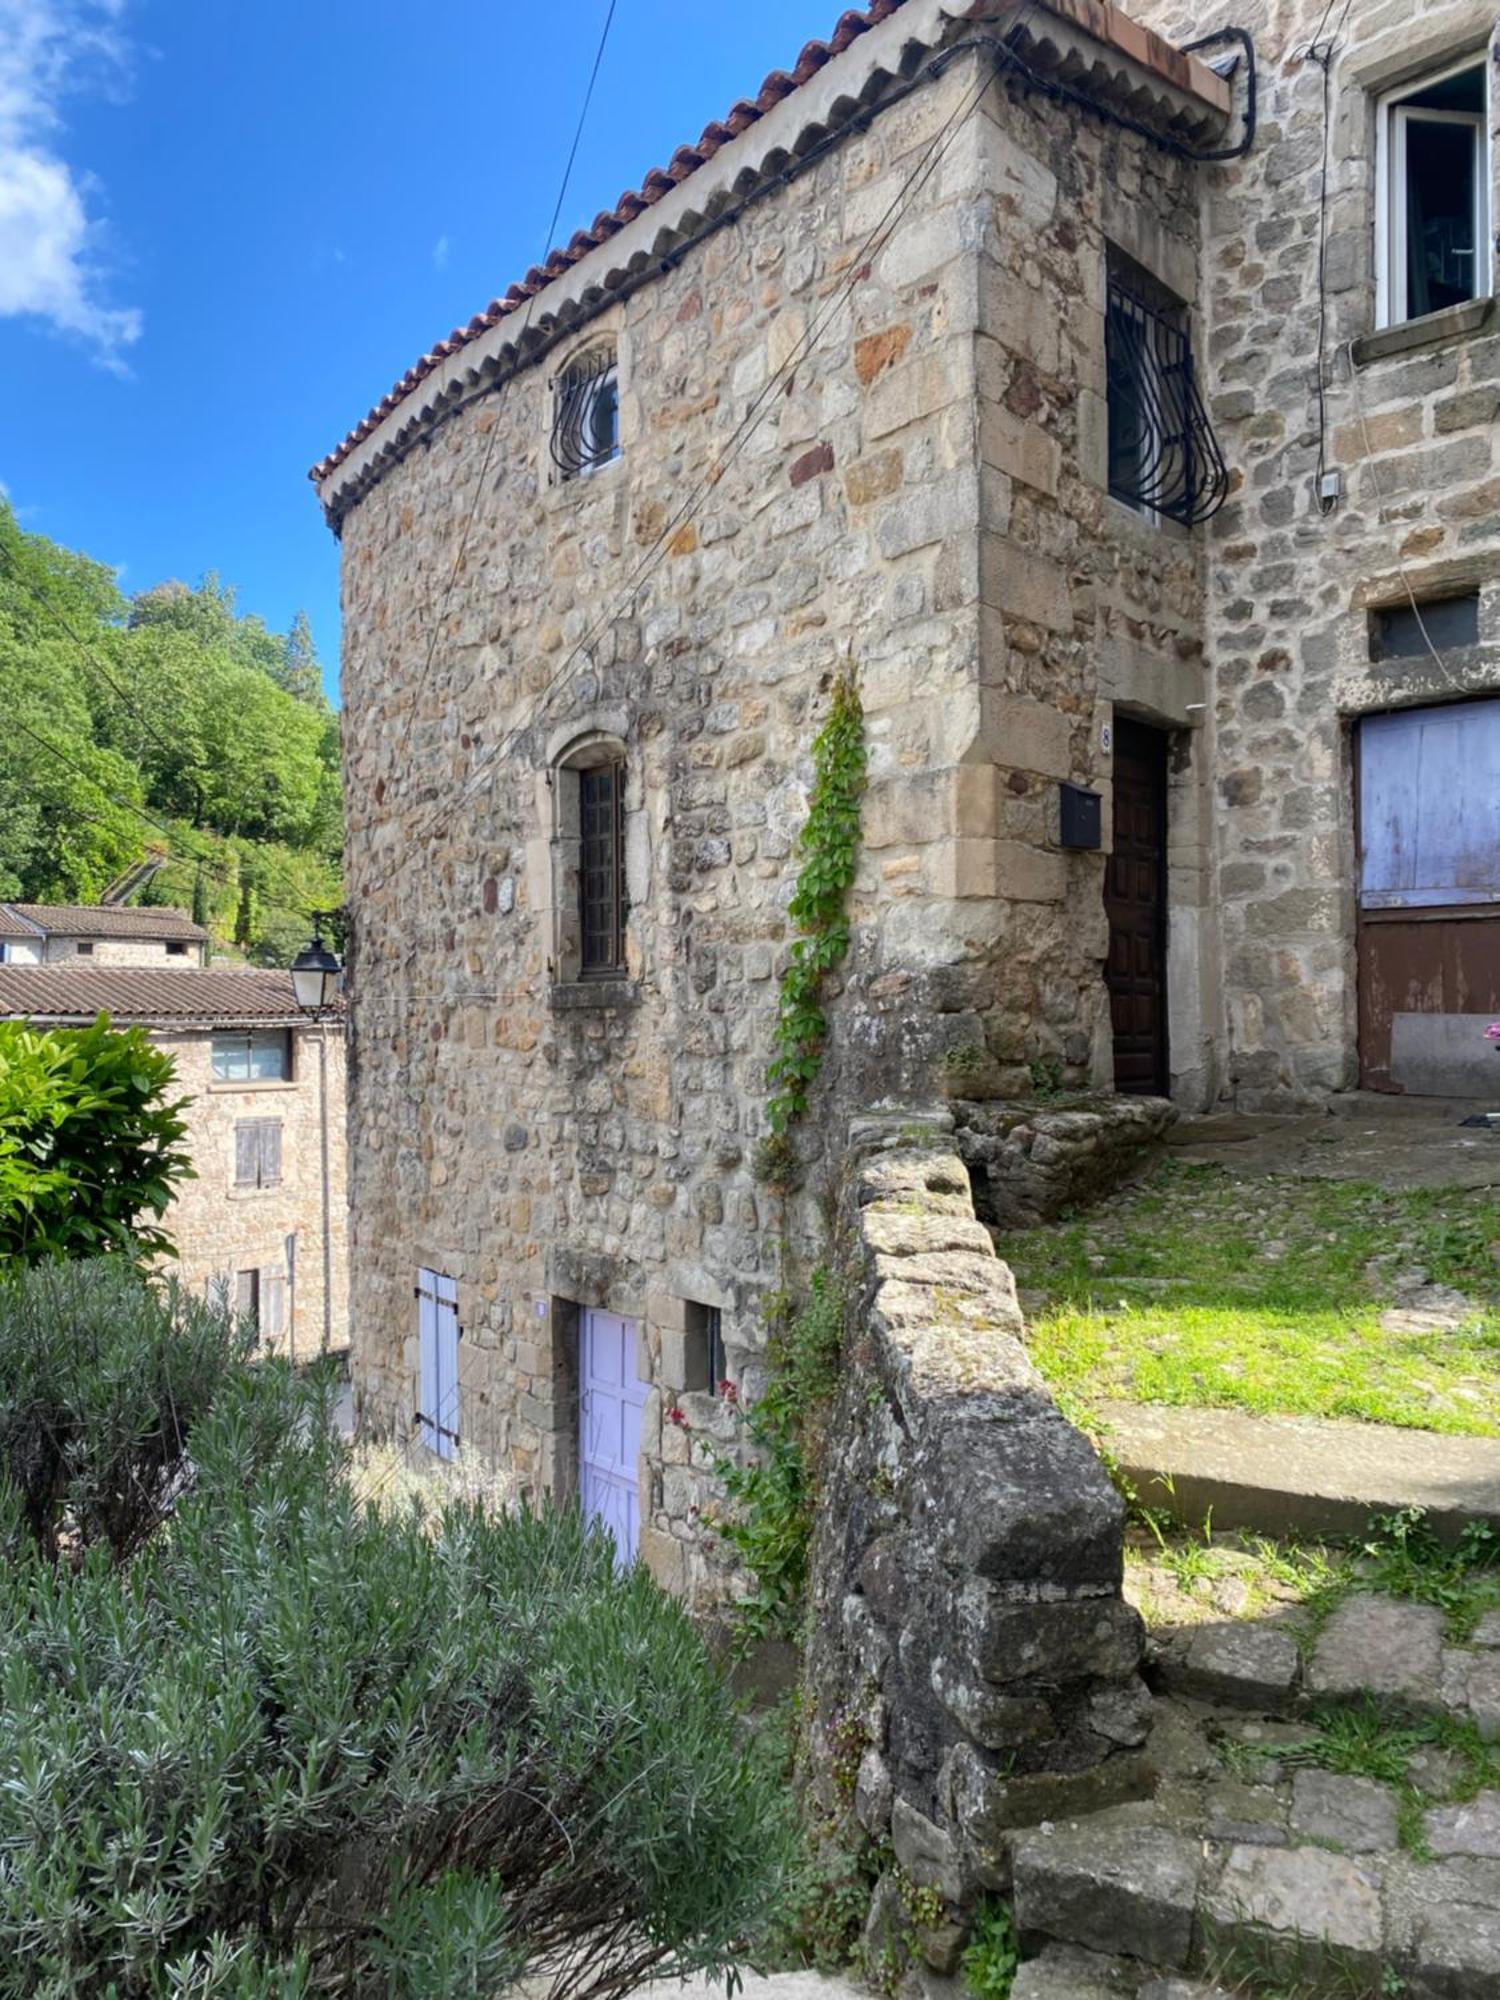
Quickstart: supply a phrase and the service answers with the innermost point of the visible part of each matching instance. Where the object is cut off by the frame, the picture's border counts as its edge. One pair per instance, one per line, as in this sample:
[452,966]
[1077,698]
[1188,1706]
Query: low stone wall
[1029,1162]
[972,1664]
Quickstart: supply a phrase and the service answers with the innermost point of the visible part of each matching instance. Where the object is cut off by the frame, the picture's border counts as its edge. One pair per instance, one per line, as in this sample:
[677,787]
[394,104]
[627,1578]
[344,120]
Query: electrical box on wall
[1079,816]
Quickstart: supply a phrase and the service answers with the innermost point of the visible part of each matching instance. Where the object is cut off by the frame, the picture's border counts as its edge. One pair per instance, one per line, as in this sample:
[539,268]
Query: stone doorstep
[1385,1648]
[1147,1911]
[1299,1476]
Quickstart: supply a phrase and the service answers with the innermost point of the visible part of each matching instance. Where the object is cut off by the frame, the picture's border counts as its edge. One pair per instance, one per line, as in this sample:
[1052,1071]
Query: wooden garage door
[1429,898]
[1135,900]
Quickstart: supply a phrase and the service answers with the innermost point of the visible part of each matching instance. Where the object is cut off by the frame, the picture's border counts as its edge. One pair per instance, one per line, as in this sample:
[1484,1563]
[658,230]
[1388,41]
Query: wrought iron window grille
[586,413]
[1163,455]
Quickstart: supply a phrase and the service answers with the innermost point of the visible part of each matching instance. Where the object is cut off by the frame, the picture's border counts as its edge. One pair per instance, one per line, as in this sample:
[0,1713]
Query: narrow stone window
[601,901]
[705,1365]
[1164,460]
[1432,246]
[586,413]
[590,906]
[1410,631]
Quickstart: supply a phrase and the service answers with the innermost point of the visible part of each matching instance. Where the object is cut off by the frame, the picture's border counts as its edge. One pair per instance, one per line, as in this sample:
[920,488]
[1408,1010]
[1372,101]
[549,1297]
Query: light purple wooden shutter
[270,1153]
[447,1366]
[1429,807]
[245,1155]
[427,1384]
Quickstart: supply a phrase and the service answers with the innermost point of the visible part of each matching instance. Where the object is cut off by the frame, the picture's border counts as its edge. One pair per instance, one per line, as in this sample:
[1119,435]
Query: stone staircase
[1255,1870]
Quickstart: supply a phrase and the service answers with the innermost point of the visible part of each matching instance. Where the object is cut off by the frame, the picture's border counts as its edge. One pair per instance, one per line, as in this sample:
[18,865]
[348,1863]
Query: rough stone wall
[221,1229]
[1031,1162]
[1411,430]
[923,502]
[121,951]
[972,1667]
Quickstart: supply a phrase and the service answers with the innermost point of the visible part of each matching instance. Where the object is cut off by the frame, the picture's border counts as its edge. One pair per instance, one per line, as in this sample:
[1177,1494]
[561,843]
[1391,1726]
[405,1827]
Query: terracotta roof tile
[143,994]
[106,920]
[660,181]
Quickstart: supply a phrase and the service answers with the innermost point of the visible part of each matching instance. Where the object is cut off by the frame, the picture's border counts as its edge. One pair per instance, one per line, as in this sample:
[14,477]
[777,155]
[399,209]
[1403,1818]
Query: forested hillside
[162,723]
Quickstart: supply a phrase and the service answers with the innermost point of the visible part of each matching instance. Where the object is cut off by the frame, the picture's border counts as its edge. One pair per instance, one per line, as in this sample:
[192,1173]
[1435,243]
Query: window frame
[611,966]
[585,377]
[1182,477]
[247,1080]
[1391,271]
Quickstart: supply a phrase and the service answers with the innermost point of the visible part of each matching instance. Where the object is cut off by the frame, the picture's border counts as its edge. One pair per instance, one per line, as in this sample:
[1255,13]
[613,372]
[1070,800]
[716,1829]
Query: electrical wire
[1456,685]
[739,438]
[481,482]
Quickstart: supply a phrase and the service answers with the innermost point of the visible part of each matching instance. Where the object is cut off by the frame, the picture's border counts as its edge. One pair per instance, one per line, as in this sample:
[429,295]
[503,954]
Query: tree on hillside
[168,707]
[301,1745]
[91,1142]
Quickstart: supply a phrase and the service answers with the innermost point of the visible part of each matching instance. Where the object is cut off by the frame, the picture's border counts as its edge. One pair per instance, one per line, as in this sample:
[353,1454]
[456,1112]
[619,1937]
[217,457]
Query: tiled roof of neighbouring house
[101,920]
[131,994]
[13,926]
[1176,75]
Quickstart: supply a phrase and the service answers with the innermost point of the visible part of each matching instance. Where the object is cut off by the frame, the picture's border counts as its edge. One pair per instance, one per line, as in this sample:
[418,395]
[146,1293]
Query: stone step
[1386,1649]
[1188,1911]
[1298,1475]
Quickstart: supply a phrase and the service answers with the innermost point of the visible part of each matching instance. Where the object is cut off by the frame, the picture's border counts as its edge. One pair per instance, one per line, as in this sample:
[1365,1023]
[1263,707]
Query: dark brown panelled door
[1135,899]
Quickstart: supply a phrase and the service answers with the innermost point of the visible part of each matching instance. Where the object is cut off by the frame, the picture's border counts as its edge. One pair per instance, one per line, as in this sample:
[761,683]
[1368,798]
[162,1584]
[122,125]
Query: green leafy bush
[103,1376]
[774,1493]
[297,1745]
[992,1956]
[90,1145]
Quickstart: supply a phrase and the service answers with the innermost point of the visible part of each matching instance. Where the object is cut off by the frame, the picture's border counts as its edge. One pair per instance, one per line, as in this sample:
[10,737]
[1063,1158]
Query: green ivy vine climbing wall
[830,841]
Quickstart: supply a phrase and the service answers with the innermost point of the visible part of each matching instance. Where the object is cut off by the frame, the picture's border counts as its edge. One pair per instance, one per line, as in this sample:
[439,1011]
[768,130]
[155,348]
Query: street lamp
[316,972]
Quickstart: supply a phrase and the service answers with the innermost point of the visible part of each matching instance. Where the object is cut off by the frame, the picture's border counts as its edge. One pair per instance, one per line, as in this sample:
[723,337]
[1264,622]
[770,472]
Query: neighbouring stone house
[265,1221]
[976,357]
[106,933]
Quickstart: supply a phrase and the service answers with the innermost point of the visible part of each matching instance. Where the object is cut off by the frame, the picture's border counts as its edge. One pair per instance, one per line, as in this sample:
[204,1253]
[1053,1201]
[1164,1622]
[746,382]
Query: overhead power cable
[482,481]
[749,424]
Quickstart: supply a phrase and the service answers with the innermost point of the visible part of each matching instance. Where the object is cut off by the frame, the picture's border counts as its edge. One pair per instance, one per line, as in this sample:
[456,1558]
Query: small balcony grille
[586,414]
[1163,455]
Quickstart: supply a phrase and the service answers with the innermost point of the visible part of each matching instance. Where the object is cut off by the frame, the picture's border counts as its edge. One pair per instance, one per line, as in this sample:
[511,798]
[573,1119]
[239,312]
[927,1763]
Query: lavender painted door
[610,1402]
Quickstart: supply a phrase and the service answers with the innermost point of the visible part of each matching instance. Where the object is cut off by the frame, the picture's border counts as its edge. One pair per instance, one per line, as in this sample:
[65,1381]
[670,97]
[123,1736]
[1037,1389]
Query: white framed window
[261,1056]
[1432,193]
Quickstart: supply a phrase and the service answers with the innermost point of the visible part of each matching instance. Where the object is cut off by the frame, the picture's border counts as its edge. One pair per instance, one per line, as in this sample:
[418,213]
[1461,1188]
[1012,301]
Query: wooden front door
[1135,899]
[611,1398]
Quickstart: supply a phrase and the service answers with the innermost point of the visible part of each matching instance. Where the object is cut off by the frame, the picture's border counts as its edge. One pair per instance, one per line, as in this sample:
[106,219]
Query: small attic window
[586,413]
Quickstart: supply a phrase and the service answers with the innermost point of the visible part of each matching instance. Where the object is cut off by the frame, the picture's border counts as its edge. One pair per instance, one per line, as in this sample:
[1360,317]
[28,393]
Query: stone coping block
[1299,1475]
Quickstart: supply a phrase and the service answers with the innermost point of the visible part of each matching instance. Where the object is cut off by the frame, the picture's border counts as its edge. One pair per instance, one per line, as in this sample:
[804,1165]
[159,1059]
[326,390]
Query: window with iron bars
[1164,459]
[601,870]
[586,413]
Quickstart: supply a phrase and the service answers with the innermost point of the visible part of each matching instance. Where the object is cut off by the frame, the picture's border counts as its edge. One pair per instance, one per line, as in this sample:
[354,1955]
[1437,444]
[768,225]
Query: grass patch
[1197,1287]
[1373,1739]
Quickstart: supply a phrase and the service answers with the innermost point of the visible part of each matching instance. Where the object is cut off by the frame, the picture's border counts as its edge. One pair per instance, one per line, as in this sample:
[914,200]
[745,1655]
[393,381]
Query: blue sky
[227,226]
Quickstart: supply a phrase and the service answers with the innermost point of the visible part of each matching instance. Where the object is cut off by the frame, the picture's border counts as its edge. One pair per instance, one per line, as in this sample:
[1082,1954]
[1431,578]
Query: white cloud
[49,242]
[440,252]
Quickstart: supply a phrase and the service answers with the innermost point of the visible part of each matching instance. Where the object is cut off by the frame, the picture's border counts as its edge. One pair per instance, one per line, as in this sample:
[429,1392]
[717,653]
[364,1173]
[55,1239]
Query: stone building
[1352,582]
[265,1220]
[105,933]
[970,358]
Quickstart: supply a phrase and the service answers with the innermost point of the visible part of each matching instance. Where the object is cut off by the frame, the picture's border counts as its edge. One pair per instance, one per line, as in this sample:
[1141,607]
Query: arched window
[589,859]
[586,412]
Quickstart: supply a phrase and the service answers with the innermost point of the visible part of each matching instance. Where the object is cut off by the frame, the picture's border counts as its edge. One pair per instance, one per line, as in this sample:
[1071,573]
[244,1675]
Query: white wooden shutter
[246,1155]
[270,1152]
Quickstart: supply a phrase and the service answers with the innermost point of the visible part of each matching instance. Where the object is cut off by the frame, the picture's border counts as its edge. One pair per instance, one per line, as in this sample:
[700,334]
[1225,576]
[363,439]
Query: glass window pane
[1441,251]
[230,1057]
[268,1056]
